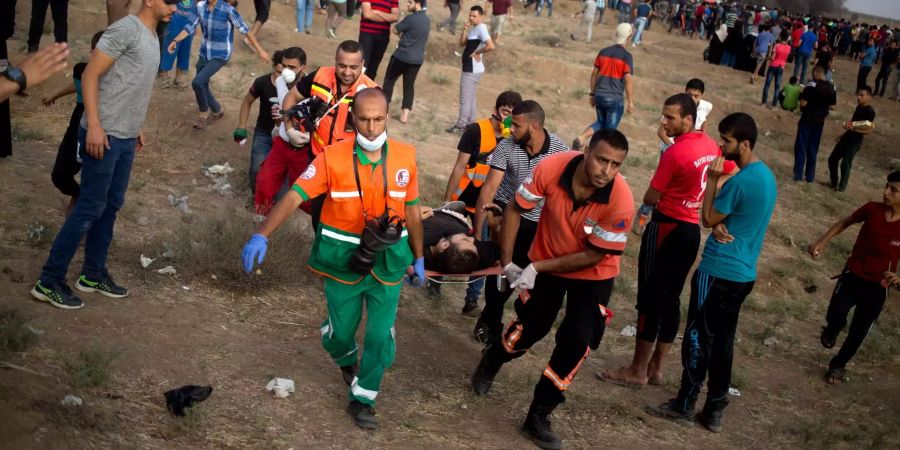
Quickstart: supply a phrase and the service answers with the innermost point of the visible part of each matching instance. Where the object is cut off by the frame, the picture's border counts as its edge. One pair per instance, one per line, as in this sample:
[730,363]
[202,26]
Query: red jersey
[566,226]
[877,247]
[681,175]
[795,37]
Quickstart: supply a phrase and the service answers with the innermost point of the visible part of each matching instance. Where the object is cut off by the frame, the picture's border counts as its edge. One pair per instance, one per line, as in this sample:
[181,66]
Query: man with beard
[512,164]
[740,215]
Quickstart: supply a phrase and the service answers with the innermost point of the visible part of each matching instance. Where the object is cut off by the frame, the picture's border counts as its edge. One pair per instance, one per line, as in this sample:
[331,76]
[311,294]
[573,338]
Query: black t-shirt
[861,113]
[443,225]
[823,58]
[889,56]
[263,89]
[819,96]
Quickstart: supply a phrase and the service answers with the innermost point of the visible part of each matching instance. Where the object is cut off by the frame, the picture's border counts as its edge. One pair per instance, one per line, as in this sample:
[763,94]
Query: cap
[623,31]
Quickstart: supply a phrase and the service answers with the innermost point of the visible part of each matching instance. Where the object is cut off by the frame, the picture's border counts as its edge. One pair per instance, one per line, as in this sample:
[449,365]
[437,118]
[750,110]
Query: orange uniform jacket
[335,126]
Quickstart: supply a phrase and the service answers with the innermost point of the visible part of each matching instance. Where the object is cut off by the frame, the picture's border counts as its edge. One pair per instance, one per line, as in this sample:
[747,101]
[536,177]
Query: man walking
[476,41]
[850,142]
[375,31]
[817,100]
[117,84]
[807,44]
[726,274]
[587,211]
[369,238]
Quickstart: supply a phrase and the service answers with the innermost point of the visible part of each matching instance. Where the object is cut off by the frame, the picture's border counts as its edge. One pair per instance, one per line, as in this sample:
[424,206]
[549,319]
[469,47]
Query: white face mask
[288,76]
[373,145]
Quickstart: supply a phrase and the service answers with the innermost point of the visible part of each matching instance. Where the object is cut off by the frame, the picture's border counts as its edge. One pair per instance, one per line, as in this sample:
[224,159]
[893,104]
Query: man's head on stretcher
[450,246]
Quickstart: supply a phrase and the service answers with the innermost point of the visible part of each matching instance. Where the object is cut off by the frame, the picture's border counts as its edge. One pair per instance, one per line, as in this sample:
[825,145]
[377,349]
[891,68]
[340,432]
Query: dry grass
[90,368]
[15,335]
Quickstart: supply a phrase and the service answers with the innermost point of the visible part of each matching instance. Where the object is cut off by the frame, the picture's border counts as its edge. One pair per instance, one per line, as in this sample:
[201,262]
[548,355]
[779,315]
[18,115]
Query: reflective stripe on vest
[476,175]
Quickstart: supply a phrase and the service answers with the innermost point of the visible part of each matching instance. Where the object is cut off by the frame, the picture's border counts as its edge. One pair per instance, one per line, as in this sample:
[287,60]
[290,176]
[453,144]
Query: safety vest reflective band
[334,126]
[478,173]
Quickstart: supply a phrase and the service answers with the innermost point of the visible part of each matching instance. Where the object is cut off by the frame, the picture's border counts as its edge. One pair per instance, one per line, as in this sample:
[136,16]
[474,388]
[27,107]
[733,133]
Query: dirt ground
[209,324]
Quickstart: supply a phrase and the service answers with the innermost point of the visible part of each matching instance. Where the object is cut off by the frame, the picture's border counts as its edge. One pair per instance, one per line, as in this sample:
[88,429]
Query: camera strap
[384,149]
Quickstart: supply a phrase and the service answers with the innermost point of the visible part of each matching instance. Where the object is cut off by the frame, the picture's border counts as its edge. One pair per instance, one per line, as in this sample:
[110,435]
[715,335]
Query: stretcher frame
[462,278]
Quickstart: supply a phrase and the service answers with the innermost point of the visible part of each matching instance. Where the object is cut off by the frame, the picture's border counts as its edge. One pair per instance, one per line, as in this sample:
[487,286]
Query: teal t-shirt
[747,199]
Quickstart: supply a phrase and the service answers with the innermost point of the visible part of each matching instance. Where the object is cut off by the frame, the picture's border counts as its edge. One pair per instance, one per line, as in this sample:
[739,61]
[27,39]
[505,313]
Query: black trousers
[862,76]
[373,46]
[842,155]
[868,297]
[882,79]
[66,165]
[7,28]
[395,69]
[668,250]
[494,296]
[262,8]
[60,11]
[580,331]
[708,344]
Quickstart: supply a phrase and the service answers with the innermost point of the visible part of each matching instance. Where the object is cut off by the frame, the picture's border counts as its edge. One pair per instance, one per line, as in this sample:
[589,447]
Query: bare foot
[655,378]
[624,376]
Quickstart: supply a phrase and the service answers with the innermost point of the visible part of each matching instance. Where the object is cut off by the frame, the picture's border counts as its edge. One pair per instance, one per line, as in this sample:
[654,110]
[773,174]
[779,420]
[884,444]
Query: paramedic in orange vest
[368,180]
[336,86]
[475,147]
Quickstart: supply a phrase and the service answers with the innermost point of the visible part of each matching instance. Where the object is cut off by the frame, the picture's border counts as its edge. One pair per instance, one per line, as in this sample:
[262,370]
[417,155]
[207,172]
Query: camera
[379,234]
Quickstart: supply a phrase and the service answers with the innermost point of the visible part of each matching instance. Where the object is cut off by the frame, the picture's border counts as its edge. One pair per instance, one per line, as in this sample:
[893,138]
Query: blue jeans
[609,112]
[624,12]
[305,10]
[182,51]
[262,145]
[772,73]
[103,185]
[200,83]
[806,147]
[639,25]
[728,59]
[540,6]
[801,63]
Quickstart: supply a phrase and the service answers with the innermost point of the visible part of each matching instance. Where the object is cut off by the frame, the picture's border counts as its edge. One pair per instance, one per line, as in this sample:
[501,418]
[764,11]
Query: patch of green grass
[439,79]
[25,134]
[91,367]
[580,93]
[15,336]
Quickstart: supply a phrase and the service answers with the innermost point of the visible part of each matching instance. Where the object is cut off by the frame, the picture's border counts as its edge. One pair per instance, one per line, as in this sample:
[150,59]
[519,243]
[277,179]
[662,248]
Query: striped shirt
[517,167]
[218,34]
[380,28]
[612,63]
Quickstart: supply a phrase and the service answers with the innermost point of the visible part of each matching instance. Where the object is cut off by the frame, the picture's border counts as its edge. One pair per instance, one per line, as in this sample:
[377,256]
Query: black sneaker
[106,287]
[455,129]
[484,374]
[827,339]
[456,206]
[537,428]
[470,306]
[348,373]
[711,421]
[482,333]
[363,414]
[58,295]
[672,411]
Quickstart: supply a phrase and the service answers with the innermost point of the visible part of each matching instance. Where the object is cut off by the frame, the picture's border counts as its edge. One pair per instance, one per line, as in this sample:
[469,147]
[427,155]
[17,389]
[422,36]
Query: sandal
[200,123]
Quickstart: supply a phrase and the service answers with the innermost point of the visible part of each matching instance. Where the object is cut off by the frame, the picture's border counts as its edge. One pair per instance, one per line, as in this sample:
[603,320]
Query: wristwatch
[14,74]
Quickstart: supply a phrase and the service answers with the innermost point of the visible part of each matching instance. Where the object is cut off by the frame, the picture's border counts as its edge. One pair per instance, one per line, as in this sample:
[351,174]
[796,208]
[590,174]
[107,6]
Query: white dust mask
[373,145]
[288,75]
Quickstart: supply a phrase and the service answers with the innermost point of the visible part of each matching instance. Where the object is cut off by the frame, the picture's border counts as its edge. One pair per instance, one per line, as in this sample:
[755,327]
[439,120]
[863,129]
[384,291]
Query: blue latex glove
[417,277]
[254,250]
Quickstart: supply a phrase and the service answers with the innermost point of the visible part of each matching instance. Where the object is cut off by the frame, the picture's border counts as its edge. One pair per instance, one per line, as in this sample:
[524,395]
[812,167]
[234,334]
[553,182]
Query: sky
[883,8]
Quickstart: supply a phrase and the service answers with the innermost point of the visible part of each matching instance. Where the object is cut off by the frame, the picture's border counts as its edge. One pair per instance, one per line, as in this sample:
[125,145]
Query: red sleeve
[611,233]
[864,212]
[729,166]
[531,192]
[664,172]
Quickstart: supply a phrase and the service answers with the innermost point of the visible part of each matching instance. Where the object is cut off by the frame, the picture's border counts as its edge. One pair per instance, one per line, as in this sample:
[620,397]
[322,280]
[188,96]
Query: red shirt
[795,37]
[566,227]
[373,27]
[780,55]
[877,247]
[681,175]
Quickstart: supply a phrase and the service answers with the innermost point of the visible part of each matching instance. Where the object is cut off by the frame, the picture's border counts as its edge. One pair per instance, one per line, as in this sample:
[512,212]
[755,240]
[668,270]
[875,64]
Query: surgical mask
[288,76]
[373,145]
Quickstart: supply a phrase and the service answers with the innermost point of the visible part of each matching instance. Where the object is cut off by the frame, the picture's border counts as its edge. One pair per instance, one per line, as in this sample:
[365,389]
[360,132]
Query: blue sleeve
[237,21]
[729,196]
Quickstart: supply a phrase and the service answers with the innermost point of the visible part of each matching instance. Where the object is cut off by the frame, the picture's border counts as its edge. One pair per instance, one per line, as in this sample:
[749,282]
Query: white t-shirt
[703,110]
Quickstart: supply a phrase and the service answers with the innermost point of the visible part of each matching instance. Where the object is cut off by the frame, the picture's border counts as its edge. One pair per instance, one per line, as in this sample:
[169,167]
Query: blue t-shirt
[807,41]
[763,41]
[643,10]
[747,199]
[869,55]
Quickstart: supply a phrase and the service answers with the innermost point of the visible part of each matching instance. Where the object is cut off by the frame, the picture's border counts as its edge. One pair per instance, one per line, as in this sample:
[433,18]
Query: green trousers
[345,305]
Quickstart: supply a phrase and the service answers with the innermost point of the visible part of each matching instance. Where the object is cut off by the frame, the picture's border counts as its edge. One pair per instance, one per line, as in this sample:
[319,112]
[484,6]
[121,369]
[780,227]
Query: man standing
[808,42]
[817,100]
[670,242]
[375,31]
[59,9]
[611,82]
[501,10]
[869,270]
[740,215]
[888,60]
[587,210]
[476,42]
[512,163]
[869,55]
[850,142]
[369,237]
[122,69]
[409,56]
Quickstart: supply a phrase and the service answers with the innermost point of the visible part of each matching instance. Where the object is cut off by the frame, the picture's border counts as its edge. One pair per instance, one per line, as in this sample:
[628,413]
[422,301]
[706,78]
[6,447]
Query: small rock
[734,392]
[180,203]
[168,254]
[770,341]
[214,277]
[219,169]
[143,221]
[280,387]
[185,288]
[35,231]
[71,400]
[168,270]
[811,289]
[629,330]
[145,261]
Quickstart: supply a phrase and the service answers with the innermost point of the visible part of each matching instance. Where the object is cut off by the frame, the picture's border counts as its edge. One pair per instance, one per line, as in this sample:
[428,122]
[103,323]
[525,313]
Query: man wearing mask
[370,235]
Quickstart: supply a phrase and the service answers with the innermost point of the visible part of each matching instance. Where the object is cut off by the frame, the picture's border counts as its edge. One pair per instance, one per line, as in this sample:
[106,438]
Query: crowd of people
[541,220]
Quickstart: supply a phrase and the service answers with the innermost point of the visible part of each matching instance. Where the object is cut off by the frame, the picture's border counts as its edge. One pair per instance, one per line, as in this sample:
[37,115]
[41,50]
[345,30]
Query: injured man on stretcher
[450,247]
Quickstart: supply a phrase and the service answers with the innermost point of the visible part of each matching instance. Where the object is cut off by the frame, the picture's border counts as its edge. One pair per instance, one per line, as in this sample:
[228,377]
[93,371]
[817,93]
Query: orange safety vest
[337,125]
[477,172]
[343,220]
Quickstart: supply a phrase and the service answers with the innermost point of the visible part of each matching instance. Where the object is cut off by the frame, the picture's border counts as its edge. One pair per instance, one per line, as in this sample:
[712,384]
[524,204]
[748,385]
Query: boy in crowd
[850,142]
[869,271]
[789,97]
[695,88]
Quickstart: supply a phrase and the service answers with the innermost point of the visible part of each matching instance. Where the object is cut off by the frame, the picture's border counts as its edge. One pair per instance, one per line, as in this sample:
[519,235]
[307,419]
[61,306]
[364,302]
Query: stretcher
[453,278]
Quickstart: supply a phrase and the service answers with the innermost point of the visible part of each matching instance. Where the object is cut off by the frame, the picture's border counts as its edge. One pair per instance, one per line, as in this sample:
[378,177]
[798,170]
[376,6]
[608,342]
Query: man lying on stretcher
[450,246]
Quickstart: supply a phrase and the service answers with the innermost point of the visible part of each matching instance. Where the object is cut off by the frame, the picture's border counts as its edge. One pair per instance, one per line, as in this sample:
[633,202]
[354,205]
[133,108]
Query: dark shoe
[470,305]
[104,286]
[485,373]
[348,373]
[363,414]
[672,410]
[482,333]
[455,129]
[537,427]
[456,206]
[712,421]
[827,339]
[58,295]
